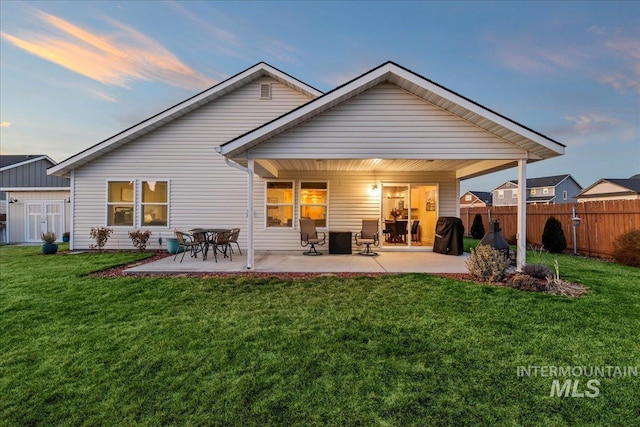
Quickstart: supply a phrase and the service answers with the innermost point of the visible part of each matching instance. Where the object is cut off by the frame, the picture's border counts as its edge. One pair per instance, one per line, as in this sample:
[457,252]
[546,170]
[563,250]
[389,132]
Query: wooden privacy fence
[601,222]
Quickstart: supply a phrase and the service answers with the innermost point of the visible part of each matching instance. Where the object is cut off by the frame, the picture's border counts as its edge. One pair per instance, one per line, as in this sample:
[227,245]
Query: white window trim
[292,204]
[107,203]
[500,194]
[299,199]
[565,195]
[140,203]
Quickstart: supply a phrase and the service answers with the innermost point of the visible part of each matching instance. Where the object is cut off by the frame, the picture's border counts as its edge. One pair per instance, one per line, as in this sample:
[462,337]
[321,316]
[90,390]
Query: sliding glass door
[409,214]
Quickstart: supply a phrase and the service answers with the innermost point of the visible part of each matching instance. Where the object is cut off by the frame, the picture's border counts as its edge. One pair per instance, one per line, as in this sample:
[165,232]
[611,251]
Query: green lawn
[394,350]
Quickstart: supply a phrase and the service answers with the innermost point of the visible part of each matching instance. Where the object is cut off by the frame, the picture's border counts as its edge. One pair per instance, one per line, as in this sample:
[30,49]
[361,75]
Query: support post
[249,170]
[522,215]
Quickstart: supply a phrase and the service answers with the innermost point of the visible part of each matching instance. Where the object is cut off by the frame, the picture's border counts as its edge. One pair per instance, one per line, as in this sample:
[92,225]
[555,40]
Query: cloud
[116,59]
[591,123]
[5,124]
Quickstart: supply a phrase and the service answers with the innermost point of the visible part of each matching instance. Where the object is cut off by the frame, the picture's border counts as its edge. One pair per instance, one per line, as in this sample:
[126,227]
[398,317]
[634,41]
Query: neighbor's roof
[543,181]
[178,110]
[485,196]
[632,186]
[8,161]
[538,145]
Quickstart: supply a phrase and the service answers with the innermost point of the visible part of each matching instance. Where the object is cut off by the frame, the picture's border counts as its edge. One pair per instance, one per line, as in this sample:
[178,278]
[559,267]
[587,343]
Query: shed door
[42,217]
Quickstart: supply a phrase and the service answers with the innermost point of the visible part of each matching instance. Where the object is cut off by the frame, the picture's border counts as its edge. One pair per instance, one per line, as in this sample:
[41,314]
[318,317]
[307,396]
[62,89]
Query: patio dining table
[206,236]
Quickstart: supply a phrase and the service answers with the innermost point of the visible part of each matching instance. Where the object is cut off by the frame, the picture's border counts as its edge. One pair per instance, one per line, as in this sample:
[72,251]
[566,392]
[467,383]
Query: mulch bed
[564,288]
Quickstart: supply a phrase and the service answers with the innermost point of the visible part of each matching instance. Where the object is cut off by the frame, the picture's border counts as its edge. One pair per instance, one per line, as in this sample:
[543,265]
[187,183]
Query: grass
[407,349]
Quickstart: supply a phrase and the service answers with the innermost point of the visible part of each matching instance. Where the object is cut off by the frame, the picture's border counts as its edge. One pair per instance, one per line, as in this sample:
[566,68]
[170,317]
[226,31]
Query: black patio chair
[187,242]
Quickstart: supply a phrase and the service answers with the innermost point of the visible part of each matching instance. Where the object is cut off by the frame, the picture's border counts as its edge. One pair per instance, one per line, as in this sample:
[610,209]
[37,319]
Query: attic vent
[265,90]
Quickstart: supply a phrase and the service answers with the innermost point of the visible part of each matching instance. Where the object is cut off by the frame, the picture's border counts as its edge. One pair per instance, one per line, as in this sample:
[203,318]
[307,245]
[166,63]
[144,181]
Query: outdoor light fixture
[575,220]
[12,200]
[374,187]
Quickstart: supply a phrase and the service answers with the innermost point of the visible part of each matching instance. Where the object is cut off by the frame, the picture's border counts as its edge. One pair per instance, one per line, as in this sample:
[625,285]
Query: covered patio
[295,262]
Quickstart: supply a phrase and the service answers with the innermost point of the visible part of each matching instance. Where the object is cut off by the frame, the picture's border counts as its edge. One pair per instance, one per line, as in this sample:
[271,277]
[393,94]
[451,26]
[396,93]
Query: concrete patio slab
[295,262]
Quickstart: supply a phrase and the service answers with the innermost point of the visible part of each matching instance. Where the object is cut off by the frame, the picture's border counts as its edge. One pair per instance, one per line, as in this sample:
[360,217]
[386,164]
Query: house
[545,190]
[611,189]
[31,201]
[262,149]
[473,199]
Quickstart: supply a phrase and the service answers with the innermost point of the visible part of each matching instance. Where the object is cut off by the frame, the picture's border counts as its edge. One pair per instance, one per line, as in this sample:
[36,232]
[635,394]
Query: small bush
[477,228]
[48,237]
[487,264]
[538,271]
[525,282]
[626,248]
[140,239]
[100,235]
[553,236]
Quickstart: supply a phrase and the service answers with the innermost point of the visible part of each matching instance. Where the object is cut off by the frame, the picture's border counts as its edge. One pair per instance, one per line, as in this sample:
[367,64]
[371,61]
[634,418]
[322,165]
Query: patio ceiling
[464,168]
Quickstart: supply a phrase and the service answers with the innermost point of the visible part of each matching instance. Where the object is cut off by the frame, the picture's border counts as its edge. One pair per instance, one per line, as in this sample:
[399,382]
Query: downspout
[249,172]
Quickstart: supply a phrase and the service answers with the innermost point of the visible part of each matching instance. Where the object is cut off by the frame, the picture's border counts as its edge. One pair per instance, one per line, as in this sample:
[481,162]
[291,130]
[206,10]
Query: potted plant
[65,236]
[49,245]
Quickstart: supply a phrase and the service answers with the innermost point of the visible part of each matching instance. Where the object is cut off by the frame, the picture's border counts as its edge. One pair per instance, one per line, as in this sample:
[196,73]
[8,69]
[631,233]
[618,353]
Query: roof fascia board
[16,189]
[25,162]
[256,70]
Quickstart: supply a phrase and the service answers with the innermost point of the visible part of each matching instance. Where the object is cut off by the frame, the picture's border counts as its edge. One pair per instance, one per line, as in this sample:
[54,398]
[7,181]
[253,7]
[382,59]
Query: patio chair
[368,236]
[222,243]
[187,242]
[400,231]
[309,236]
[415,231]
[234,239]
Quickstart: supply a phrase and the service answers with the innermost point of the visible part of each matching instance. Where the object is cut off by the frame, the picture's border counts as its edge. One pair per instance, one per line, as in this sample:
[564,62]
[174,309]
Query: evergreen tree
[553,238]
[477,228]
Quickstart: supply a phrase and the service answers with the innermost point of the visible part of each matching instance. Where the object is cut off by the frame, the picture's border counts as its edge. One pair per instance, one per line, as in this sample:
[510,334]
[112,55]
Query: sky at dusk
[75,73]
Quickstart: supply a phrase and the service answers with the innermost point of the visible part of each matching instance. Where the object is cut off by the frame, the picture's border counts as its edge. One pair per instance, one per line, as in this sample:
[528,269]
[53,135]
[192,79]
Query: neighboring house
[544,190]
[475,199]
[261,150]
[612,189]
[30,200]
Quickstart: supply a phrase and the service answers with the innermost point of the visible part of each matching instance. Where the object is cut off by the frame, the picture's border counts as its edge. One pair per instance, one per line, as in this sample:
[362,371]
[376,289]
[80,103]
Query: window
[545,191]
[514,192]
[155,203]
[279,204]
[313,202]
[500,194]
[565,196]
[467,197]
[533,191]
[120,202]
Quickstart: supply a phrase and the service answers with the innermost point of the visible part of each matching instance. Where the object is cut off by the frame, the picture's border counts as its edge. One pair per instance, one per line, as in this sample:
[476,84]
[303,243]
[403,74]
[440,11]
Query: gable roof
[180,109]
[485,196]
[631,185]
[538,145]
[9,161]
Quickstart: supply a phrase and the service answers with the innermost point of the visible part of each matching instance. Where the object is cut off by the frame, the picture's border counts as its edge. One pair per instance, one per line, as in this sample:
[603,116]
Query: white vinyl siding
[351,200]
[204,191]
[393,124]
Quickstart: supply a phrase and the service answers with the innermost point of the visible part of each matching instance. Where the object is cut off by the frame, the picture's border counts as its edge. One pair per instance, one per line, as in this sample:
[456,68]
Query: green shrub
[487,264]
[100,235]
[477,228]
[525,282]
[553,236]
[626,248]
[140,239]
[538,271]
